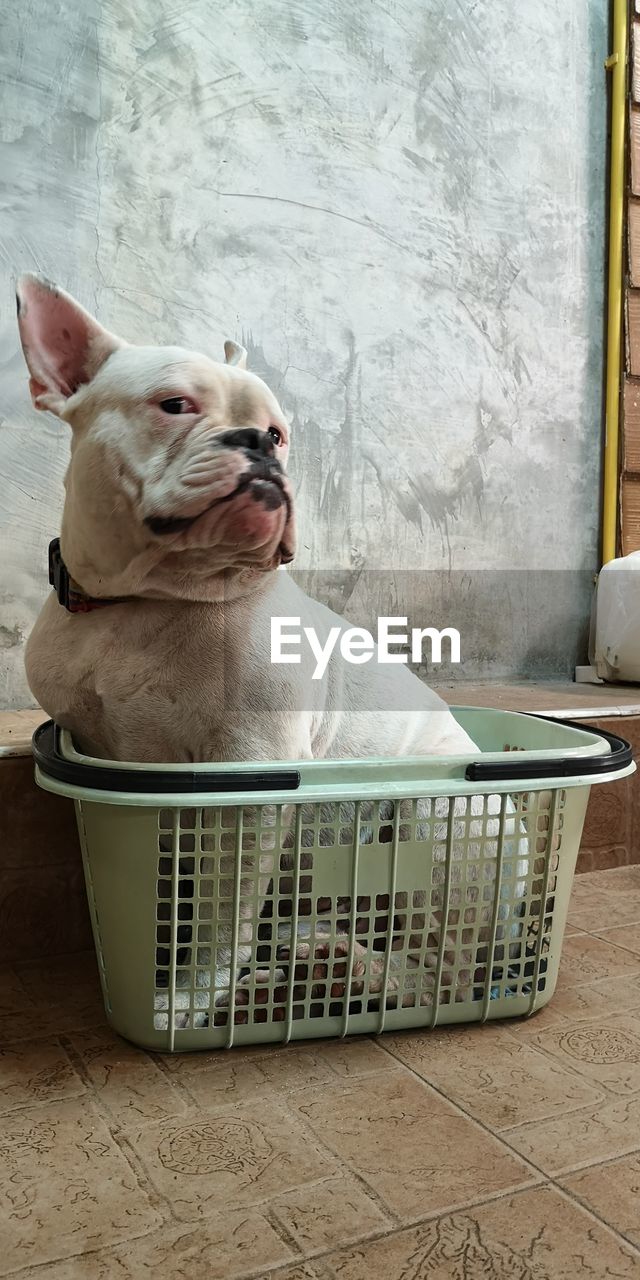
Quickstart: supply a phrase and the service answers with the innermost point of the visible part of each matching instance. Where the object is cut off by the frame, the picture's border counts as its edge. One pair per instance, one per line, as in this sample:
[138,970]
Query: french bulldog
[179,518]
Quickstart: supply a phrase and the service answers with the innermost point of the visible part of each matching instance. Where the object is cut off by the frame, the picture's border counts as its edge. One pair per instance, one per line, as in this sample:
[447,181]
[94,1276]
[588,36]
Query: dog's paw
[263,980]
[312,962]
[183,1015]
[324,963]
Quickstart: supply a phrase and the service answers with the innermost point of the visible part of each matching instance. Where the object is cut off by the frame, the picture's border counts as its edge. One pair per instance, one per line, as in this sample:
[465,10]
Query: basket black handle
[49,758]
[619,757]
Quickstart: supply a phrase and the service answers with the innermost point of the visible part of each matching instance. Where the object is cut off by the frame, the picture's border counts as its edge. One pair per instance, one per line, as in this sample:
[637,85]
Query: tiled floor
[508,1152]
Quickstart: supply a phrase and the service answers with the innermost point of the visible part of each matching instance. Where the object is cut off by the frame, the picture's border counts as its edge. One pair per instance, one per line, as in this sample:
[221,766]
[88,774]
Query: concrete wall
[398,205]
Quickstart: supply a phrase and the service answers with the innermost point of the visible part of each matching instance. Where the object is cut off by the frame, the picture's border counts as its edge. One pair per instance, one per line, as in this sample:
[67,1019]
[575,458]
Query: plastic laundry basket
[440,885]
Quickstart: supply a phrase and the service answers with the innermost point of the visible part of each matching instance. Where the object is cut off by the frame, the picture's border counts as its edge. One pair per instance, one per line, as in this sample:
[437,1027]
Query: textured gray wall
[398,205]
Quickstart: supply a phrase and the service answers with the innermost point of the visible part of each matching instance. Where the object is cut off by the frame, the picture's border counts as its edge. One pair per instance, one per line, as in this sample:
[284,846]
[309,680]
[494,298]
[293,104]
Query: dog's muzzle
[264,479]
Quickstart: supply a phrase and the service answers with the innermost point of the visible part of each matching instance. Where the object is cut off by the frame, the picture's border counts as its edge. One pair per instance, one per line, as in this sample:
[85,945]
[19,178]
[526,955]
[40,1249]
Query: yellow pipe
[617,63]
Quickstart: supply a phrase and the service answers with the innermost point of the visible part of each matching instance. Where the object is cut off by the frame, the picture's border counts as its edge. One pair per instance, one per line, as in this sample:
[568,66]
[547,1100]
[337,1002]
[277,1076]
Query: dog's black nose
[249,438]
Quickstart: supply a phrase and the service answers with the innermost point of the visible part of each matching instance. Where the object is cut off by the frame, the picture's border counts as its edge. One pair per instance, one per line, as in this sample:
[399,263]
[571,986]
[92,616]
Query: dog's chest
[151,687]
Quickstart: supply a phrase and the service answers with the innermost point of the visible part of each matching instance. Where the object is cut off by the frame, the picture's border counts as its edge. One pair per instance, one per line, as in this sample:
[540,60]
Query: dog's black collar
[69,593]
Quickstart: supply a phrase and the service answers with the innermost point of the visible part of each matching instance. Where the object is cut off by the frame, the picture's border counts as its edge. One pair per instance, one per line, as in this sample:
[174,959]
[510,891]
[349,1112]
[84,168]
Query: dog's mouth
[264,481]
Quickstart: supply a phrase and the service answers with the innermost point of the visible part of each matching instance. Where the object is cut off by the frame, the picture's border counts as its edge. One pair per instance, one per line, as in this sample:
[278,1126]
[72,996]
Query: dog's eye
[275,434]
[178,404]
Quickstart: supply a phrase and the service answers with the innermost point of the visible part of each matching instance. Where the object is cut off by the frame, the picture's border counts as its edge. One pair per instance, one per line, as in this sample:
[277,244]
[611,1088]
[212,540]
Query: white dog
[178,512]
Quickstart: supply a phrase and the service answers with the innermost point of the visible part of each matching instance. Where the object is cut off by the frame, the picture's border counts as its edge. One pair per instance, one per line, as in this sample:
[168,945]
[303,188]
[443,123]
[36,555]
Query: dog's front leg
[241,932]
[239,909]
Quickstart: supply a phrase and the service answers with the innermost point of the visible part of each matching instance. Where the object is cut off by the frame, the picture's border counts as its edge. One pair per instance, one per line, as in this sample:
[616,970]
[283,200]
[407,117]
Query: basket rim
[594,756]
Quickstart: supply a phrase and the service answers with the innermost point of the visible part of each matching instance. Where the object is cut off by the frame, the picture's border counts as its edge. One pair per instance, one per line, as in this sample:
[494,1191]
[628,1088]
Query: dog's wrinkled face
[183,454]
[199,449]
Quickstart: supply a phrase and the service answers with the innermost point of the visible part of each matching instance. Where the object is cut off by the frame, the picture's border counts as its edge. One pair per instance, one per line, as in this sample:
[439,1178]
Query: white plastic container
[617,643]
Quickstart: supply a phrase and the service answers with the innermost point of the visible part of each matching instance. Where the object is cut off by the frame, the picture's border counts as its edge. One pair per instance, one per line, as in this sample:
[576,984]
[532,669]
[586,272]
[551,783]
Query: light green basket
[199,877]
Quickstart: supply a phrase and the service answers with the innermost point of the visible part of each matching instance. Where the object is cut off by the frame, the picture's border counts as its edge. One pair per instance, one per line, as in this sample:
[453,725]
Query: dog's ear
[63,345]
[235,354]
